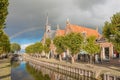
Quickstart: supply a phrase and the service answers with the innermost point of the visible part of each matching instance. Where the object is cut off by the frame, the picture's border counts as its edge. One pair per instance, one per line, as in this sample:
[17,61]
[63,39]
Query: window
[84,34]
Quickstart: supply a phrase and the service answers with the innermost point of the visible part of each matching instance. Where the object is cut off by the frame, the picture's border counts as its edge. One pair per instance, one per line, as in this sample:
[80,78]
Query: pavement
[5,69]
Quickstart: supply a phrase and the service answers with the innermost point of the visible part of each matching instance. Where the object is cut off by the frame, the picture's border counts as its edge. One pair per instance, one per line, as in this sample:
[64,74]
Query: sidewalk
[5,69]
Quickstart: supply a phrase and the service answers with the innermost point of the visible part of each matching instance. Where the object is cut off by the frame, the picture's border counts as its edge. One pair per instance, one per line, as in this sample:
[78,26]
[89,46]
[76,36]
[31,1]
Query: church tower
[47,27]
[47,30]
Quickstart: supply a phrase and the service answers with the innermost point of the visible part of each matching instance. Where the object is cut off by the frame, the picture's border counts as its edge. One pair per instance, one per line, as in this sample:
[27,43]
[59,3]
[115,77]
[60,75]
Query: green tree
[4,44]
[38,47]
[91,47]
[30,49]
[4,40]
[111,30]
[3,12]
[47,47]
[48,42]
[59,43]
[73,42]
[15,47]
[34,49]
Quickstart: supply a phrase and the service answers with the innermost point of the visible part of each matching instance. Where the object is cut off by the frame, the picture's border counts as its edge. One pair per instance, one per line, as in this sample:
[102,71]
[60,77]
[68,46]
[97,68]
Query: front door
[107,52]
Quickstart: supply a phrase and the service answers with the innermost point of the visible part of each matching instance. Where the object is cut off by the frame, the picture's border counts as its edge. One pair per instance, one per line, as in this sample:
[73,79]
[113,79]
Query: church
[106,47]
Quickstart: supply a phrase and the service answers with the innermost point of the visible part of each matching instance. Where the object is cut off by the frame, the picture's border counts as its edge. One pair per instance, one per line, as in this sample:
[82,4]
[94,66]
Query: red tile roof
[60,32]
[80,29]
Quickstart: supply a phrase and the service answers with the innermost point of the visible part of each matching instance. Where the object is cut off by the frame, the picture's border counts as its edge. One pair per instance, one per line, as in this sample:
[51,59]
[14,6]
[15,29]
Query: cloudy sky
[26,19]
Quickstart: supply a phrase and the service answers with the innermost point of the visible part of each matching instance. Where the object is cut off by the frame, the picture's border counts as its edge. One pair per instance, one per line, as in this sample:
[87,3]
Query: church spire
[46,25]
[47,20]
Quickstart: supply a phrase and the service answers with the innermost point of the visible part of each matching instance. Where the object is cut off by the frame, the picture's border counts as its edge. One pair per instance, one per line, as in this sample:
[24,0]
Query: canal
[23,71]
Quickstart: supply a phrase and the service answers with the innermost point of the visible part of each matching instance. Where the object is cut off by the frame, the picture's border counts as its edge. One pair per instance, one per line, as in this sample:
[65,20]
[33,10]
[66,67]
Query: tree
[91,47]
[34,49]
[4,40]
[15,47]
[30,49]
[111,30]
[48,42]
[73,42]
[3,12]
[59,43]
[4,43]
[38,47]
[47,47]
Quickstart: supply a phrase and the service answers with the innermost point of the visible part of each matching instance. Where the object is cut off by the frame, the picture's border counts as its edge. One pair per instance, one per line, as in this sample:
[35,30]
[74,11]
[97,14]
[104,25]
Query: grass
[5,69]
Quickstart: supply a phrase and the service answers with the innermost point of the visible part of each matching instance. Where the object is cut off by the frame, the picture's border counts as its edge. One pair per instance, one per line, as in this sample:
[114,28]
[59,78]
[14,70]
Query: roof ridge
[82,27]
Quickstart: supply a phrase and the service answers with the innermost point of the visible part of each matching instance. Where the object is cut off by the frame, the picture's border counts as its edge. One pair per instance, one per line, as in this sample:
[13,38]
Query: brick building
[106,47]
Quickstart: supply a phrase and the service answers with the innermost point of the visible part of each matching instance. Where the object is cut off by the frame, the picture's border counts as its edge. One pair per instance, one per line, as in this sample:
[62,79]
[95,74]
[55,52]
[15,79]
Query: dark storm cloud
[88,4]
[24,14]
[26,19]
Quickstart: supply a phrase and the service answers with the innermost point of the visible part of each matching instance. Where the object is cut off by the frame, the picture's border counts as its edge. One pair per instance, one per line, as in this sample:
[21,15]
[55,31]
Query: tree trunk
[60,59]
[72,59]
[48,56]
[90,59]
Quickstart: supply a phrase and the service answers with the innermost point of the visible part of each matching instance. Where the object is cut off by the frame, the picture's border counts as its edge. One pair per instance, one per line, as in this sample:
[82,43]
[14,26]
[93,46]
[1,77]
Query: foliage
[48,42]
[29,49]
[38,75]
[90,45]
[73,42]
[34,48]
[4,40]
[59,43]
[47,45]
[15,47]
[4,43]
[3,12]
[38,47]
[111,30]
[46,49]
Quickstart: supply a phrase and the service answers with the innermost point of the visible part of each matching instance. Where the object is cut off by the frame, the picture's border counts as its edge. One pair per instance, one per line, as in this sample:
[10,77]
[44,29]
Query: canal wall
[65,75]
[69,70]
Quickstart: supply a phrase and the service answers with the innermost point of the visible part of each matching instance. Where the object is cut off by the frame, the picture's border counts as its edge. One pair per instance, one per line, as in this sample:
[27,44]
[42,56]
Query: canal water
[23,71]
[19,71]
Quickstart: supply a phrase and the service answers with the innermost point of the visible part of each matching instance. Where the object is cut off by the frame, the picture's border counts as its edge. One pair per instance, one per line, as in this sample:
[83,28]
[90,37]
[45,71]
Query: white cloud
[23,46]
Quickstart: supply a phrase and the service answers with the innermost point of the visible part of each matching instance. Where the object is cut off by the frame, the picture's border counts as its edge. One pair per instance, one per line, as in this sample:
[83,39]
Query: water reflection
[38,75]
[15,64]
[18,71]
[47,74]
[24,71]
